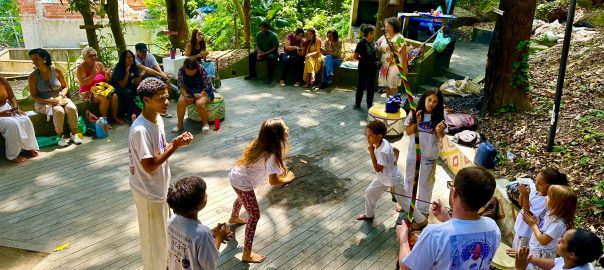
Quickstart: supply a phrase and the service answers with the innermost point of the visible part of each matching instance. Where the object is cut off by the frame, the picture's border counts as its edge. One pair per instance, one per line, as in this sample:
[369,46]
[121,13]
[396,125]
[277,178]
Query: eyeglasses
[449,184]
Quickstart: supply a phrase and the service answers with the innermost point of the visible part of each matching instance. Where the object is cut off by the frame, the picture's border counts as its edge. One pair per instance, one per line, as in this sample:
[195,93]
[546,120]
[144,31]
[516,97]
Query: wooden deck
[80,194]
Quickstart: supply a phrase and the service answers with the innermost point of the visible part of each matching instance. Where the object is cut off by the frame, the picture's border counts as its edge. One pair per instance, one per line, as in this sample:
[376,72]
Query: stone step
[454,73]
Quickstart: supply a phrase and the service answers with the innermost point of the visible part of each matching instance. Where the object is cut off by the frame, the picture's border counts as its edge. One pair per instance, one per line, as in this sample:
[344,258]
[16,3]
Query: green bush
[8,30]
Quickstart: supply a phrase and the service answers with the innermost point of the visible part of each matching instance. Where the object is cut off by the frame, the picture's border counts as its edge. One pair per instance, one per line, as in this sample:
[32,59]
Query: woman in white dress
[16,128]
[389,76]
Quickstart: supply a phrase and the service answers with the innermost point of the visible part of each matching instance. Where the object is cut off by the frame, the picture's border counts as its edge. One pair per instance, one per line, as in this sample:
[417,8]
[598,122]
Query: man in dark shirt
[267,44]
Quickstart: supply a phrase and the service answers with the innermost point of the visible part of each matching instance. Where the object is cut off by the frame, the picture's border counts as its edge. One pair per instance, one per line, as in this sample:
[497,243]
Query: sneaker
[63,143]
[356,107]
[249,77]
[167,115]
[75,139]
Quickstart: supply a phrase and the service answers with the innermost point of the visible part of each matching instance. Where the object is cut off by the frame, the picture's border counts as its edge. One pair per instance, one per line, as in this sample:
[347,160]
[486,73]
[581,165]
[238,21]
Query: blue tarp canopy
[206,9]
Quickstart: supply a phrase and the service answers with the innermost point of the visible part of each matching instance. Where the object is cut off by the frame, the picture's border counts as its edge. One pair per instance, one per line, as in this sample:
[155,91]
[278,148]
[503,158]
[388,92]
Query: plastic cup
[217,124]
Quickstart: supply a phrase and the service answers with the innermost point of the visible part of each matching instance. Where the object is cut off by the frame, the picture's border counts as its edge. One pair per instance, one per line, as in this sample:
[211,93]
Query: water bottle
[172,53]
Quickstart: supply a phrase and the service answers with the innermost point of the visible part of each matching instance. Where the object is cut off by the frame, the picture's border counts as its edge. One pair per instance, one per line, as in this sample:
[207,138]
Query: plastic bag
[47,141]
[81,125]
[393,103]
[441,42]
[454,87]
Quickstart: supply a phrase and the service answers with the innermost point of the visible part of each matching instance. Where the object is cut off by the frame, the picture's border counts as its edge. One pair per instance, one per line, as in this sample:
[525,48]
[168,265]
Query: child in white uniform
[532,199]
[577,248]
[430,124]
[561,206]
[384,157]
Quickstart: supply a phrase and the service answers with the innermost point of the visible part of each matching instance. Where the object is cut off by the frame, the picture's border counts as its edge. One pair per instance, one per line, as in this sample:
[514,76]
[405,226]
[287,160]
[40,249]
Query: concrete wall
[65,33]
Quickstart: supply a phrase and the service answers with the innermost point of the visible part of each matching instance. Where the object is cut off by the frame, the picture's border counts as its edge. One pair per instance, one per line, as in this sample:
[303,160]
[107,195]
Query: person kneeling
[195,87]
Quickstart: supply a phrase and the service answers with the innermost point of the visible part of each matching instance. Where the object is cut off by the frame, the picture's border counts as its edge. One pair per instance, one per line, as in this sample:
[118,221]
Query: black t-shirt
[367,52]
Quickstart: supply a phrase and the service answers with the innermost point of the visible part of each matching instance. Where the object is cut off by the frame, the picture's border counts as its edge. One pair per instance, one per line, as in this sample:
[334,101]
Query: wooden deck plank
[97,217]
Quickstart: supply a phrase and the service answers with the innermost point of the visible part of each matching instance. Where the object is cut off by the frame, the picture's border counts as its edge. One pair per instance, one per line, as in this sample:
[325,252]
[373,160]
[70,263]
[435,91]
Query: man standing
[150,171]
[464,240]
[267,44]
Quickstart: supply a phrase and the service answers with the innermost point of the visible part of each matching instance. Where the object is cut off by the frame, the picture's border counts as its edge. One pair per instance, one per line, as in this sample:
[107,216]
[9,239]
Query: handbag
[102,89]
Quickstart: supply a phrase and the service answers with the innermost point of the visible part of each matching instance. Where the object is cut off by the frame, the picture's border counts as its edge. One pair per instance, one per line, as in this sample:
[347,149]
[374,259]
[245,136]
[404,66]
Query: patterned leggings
[248,200]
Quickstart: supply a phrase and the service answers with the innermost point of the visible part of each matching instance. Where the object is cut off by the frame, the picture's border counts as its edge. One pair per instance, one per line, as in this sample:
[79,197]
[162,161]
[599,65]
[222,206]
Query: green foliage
[482,8]
[108,53]
[520,72]
[597,200]
[157,21]
[544,10]
[11,34]
[506,109]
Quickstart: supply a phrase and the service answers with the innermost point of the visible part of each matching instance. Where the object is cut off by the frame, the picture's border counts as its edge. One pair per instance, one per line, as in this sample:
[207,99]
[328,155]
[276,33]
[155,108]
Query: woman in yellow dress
[313,59]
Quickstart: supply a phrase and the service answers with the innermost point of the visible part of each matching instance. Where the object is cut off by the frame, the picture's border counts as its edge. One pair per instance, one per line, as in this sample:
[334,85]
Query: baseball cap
[141,47]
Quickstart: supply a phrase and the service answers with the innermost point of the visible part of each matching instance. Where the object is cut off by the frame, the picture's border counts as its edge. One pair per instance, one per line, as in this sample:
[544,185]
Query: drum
[395,122]
[502,261]
[215,107]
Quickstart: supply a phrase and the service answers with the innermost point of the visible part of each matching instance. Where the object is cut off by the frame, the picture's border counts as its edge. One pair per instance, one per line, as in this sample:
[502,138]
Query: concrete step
[423,88]
[454,73]
[438,80]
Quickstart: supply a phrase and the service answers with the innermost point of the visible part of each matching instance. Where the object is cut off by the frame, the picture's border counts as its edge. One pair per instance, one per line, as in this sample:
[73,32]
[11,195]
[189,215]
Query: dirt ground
[19,259]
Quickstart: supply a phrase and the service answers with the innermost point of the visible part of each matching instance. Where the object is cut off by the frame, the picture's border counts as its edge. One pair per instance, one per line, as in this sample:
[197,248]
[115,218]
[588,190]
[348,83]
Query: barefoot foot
[363,217]
[251,257]
[237,220]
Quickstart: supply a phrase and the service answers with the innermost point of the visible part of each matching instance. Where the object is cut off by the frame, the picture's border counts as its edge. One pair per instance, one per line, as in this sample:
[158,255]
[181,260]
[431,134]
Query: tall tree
[177,21]
[386,10]
[511,28]
[246,23]
[112,10]
[84,7]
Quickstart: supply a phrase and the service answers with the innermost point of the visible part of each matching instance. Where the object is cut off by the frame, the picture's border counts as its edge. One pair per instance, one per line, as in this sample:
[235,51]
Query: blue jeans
[330,63]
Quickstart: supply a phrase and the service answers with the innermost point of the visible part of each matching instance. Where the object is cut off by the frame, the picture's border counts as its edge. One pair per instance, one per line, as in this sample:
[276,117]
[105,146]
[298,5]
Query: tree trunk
[88,16]
[386,10]
[177,21]
[510,29]
[246,22]
[112,10]
[239,9]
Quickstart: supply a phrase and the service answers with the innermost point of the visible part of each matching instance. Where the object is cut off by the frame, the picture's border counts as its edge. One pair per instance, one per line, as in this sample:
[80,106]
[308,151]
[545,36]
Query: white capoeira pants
[425,184]
[152,225]
[375,190]
[18,133]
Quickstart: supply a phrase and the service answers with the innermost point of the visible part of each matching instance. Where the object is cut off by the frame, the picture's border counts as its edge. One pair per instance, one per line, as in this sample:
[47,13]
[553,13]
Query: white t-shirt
[385,157]
[537,206]
[146,140]
[247,178]
[559,264]
[428,141]
[552,226]
[149,61]
[190,245]
[451,244]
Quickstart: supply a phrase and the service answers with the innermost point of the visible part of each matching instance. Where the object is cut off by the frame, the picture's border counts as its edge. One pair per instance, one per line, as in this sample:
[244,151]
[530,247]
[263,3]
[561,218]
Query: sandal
[176,130]
[205,129]
[363,217]
[282,83]
[19,159]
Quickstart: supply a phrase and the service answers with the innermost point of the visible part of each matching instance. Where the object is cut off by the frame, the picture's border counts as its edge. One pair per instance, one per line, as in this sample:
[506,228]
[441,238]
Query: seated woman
[16,128]
[49,90]
[196,49]
[292,56]
[313,59]
[91,72]
[125,78]
[196,88]
[332,50]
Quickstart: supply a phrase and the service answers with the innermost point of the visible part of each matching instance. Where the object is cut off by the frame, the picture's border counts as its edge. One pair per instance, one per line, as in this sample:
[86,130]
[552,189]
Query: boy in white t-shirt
[192,245]
[577,249]
[387,174]
[463,241]
[150,171]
